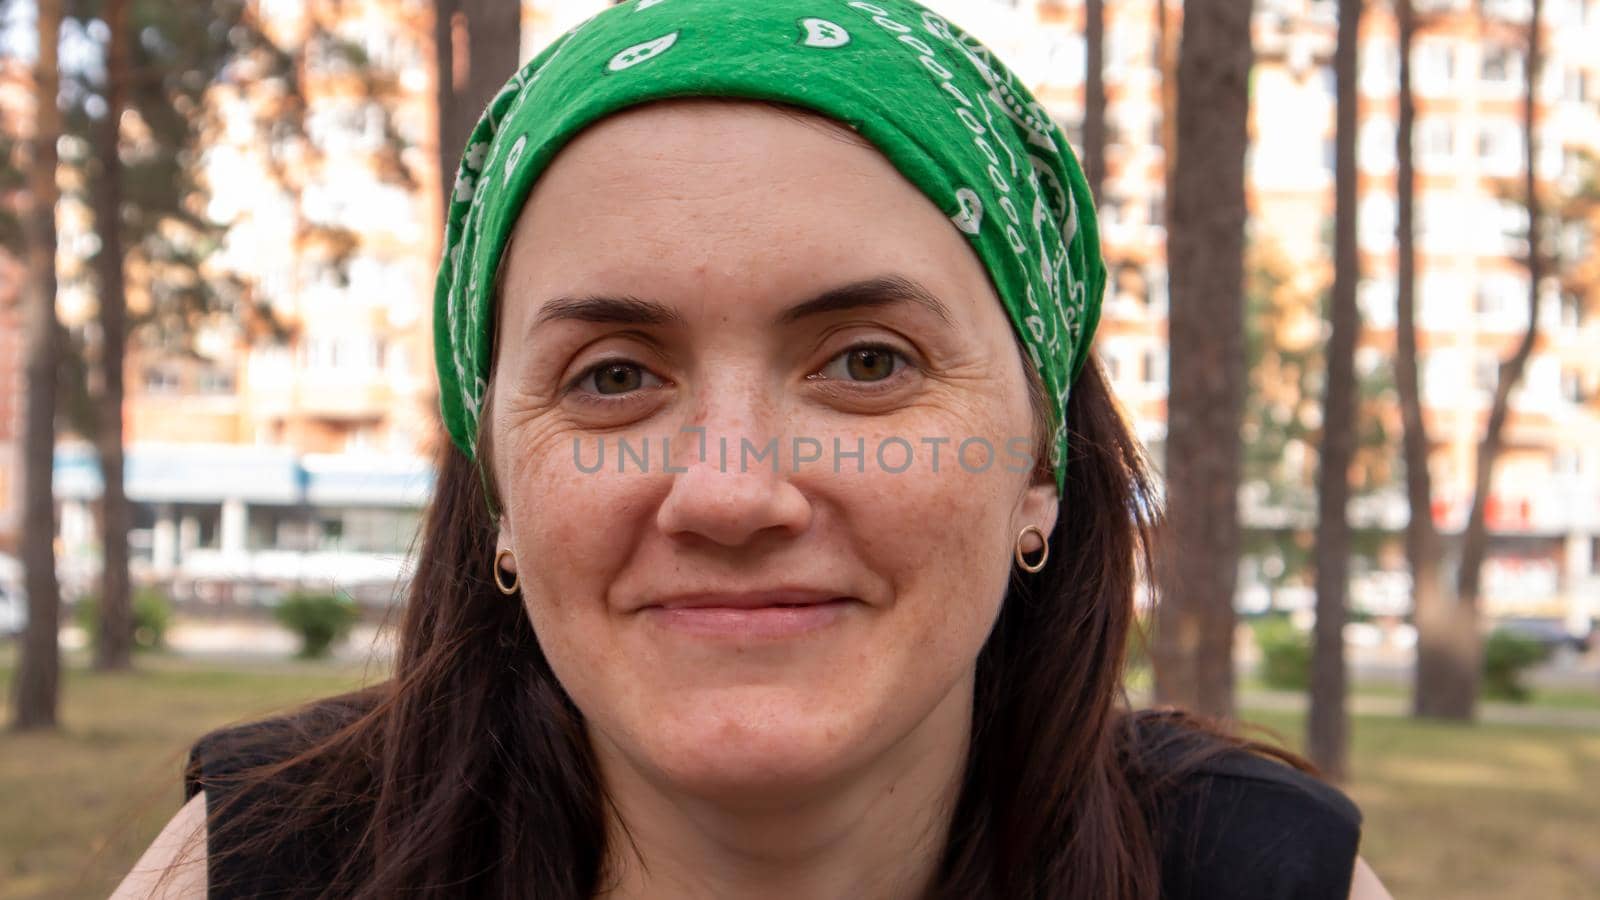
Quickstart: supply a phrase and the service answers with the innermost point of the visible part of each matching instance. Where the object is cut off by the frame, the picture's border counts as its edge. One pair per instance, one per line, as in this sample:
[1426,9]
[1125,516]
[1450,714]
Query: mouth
[750,615]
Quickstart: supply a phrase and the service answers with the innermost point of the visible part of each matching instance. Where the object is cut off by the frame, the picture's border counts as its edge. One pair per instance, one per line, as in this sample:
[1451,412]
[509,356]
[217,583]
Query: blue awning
[212,473]
[360,480]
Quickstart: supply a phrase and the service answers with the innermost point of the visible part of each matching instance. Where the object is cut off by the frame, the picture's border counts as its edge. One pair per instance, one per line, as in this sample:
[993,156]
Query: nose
[729,486]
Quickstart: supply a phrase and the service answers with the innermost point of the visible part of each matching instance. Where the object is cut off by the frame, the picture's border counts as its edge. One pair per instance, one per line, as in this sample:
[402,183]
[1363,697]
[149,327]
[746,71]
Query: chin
[752,754]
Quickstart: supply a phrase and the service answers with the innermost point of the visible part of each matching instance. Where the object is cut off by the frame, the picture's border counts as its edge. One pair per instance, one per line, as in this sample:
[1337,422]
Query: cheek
[941,540]
[572,530]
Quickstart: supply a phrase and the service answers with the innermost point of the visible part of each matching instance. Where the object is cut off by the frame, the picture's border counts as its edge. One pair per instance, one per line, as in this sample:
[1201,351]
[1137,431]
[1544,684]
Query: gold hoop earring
[1027,566]
[516,577]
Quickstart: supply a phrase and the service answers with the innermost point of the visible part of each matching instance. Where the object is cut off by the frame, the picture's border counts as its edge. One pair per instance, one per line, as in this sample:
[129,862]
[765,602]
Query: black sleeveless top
[1240,827]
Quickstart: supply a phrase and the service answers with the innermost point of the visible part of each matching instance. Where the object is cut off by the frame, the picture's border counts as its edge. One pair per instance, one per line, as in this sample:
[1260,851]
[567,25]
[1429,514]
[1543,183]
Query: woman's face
[692,275]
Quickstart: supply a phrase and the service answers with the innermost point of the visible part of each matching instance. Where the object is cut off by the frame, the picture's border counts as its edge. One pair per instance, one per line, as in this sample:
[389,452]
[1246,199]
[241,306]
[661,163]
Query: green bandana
[953,119]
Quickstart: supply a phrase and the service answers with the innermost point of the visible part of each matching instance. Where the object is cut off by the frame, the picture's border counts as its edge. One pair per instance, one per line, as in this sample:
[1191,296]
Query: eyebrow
[885,290]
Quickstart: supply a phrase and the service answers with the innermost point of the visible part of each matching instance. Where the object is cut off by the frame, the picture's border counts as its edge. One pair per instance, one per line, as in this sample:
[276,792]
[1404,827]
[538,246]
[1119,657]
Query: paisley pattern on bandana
[936,102]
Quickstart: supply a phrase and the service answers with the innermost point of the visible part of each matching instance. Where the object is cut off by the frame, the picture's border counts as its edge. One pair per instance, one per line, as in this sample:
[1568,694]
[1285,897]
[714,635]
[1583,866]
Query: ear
[503,541]
[1039,505]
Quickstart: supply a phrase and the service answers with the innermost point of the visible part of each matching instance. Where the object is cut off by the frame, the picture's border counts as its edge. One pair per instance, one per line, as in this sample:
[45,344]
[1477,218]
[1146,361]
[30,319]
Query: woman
[763,348]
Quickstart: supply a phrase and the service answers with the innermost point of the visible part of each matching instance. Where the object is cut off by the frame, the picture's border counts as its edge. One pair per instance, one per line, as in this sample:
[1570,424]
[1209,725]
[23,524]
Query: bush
[1285,653]
[152,614]
[1505,656]
[1138,650]
[320,620]
[1137,672]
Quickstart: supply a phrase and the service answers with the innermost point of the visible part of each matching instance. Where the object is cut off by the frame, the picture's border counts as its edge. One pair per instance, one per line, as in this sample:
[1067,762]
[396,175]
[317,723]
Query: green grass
[80,805]
[1570,698]
[1471,812]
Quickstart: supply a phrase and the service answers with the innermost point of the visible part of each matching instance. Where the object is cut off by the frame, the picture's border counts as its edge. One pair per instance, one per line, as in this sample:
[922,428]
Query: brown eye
[617,378]
[866,363]
[871,364]
[614,379]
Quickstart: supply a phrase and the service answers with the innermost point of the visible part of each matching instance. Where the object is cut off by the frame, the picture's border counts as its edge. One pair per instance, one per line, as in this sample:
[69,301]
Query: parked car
[1552,634]
[13,597]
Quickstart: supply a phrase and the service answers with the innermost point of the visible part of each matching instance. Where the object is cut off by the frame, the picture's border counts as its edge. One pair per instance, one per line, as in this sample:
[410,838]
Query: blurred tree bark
[1458,695]
[1193,646]
[114,646]
[1436,649]
[478,44]
[36,689]
[1328,726]
[1094,100]
[1166,67]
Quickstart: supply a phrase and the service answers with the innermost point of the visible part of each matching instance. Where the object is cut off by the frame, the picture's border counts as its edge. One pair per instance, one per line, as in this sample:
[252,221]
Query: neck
[876,833]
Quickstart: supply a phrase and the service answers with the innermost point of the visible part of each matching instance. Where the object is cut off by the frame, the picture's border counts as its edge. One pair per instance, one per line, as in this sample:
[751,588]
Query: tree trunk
[1475,541]
[1166,66]
[37,685]
[1193,647]
[1439,665]
[114,647]
[1328,726]
[1094,100]
[444,99]
[478,44]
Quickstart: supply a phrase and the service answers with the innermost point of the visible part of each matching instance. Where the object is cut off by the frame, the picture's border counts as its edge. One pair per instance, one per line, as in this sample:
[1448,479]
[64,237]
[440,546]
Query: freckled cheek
[573,528]
[939,537]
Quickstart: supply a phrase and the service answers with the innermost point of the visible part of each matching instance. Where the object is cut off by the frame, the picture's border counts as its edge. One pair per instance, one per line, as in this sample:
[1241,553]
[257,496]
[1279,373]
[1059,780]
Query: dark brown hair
[467,773]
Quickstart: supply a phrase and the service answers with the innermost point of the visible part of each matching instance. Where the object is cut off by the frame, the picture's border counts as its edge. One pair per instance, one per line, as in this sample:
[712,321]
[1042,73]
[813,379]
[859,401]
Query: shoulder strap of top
[1244,826]
[241,809]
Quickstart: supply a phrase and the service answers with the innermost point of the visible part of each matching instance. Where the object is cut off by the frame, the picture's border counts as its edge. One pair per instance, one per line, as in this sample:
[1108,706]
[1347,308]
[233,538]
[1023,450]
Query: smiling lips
[749,615]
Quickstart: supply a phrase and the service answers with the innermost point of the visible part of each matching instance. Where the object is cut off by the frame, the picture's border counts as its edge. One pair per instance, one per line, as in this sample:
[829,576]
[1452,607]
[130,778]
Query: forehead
[701,186]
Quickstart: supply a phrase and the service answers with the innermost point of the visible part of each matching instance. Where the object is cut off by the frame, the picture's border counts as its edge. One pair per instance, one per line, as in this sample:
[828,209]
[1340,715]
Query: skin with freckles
[758,752]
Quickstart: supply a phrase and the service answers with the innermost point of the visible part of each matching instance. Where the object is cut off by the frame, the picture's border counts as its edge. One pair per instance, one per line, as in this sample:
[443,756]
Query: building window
[1113,365]
[1571,311]
[1513,218]
[1435,67]
[1575,86]
[1486,372]
[1572,389]
[1380,67]
[161,381]
[1376,222]
[1110,209]
[1509,10]
[1499,299]
[1436,143]
[1575,241]
[1376,145]
[1155,279]
[331,534]
[1488,303]
[215,381]
[1155,369]
[1378,300]
[1501,64]
[1566,462]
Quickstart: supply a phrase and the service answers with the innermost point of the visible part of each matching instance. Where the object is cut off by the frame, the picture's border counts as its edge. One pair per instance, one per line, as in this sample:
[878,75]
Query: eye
[865,363]
[612,378]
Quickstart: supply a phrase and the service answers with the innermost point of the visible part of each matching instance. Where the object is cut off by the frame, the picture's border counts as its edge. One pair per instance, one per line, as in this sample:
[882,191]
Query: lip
[749,615]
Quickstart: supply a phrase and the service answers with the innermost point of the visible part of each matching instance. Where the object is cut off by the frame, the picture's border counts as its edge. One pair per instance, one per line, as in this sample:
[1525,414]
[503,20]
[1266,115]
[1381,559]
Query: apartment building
[1469,78]
[1468,65]
[290,449]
